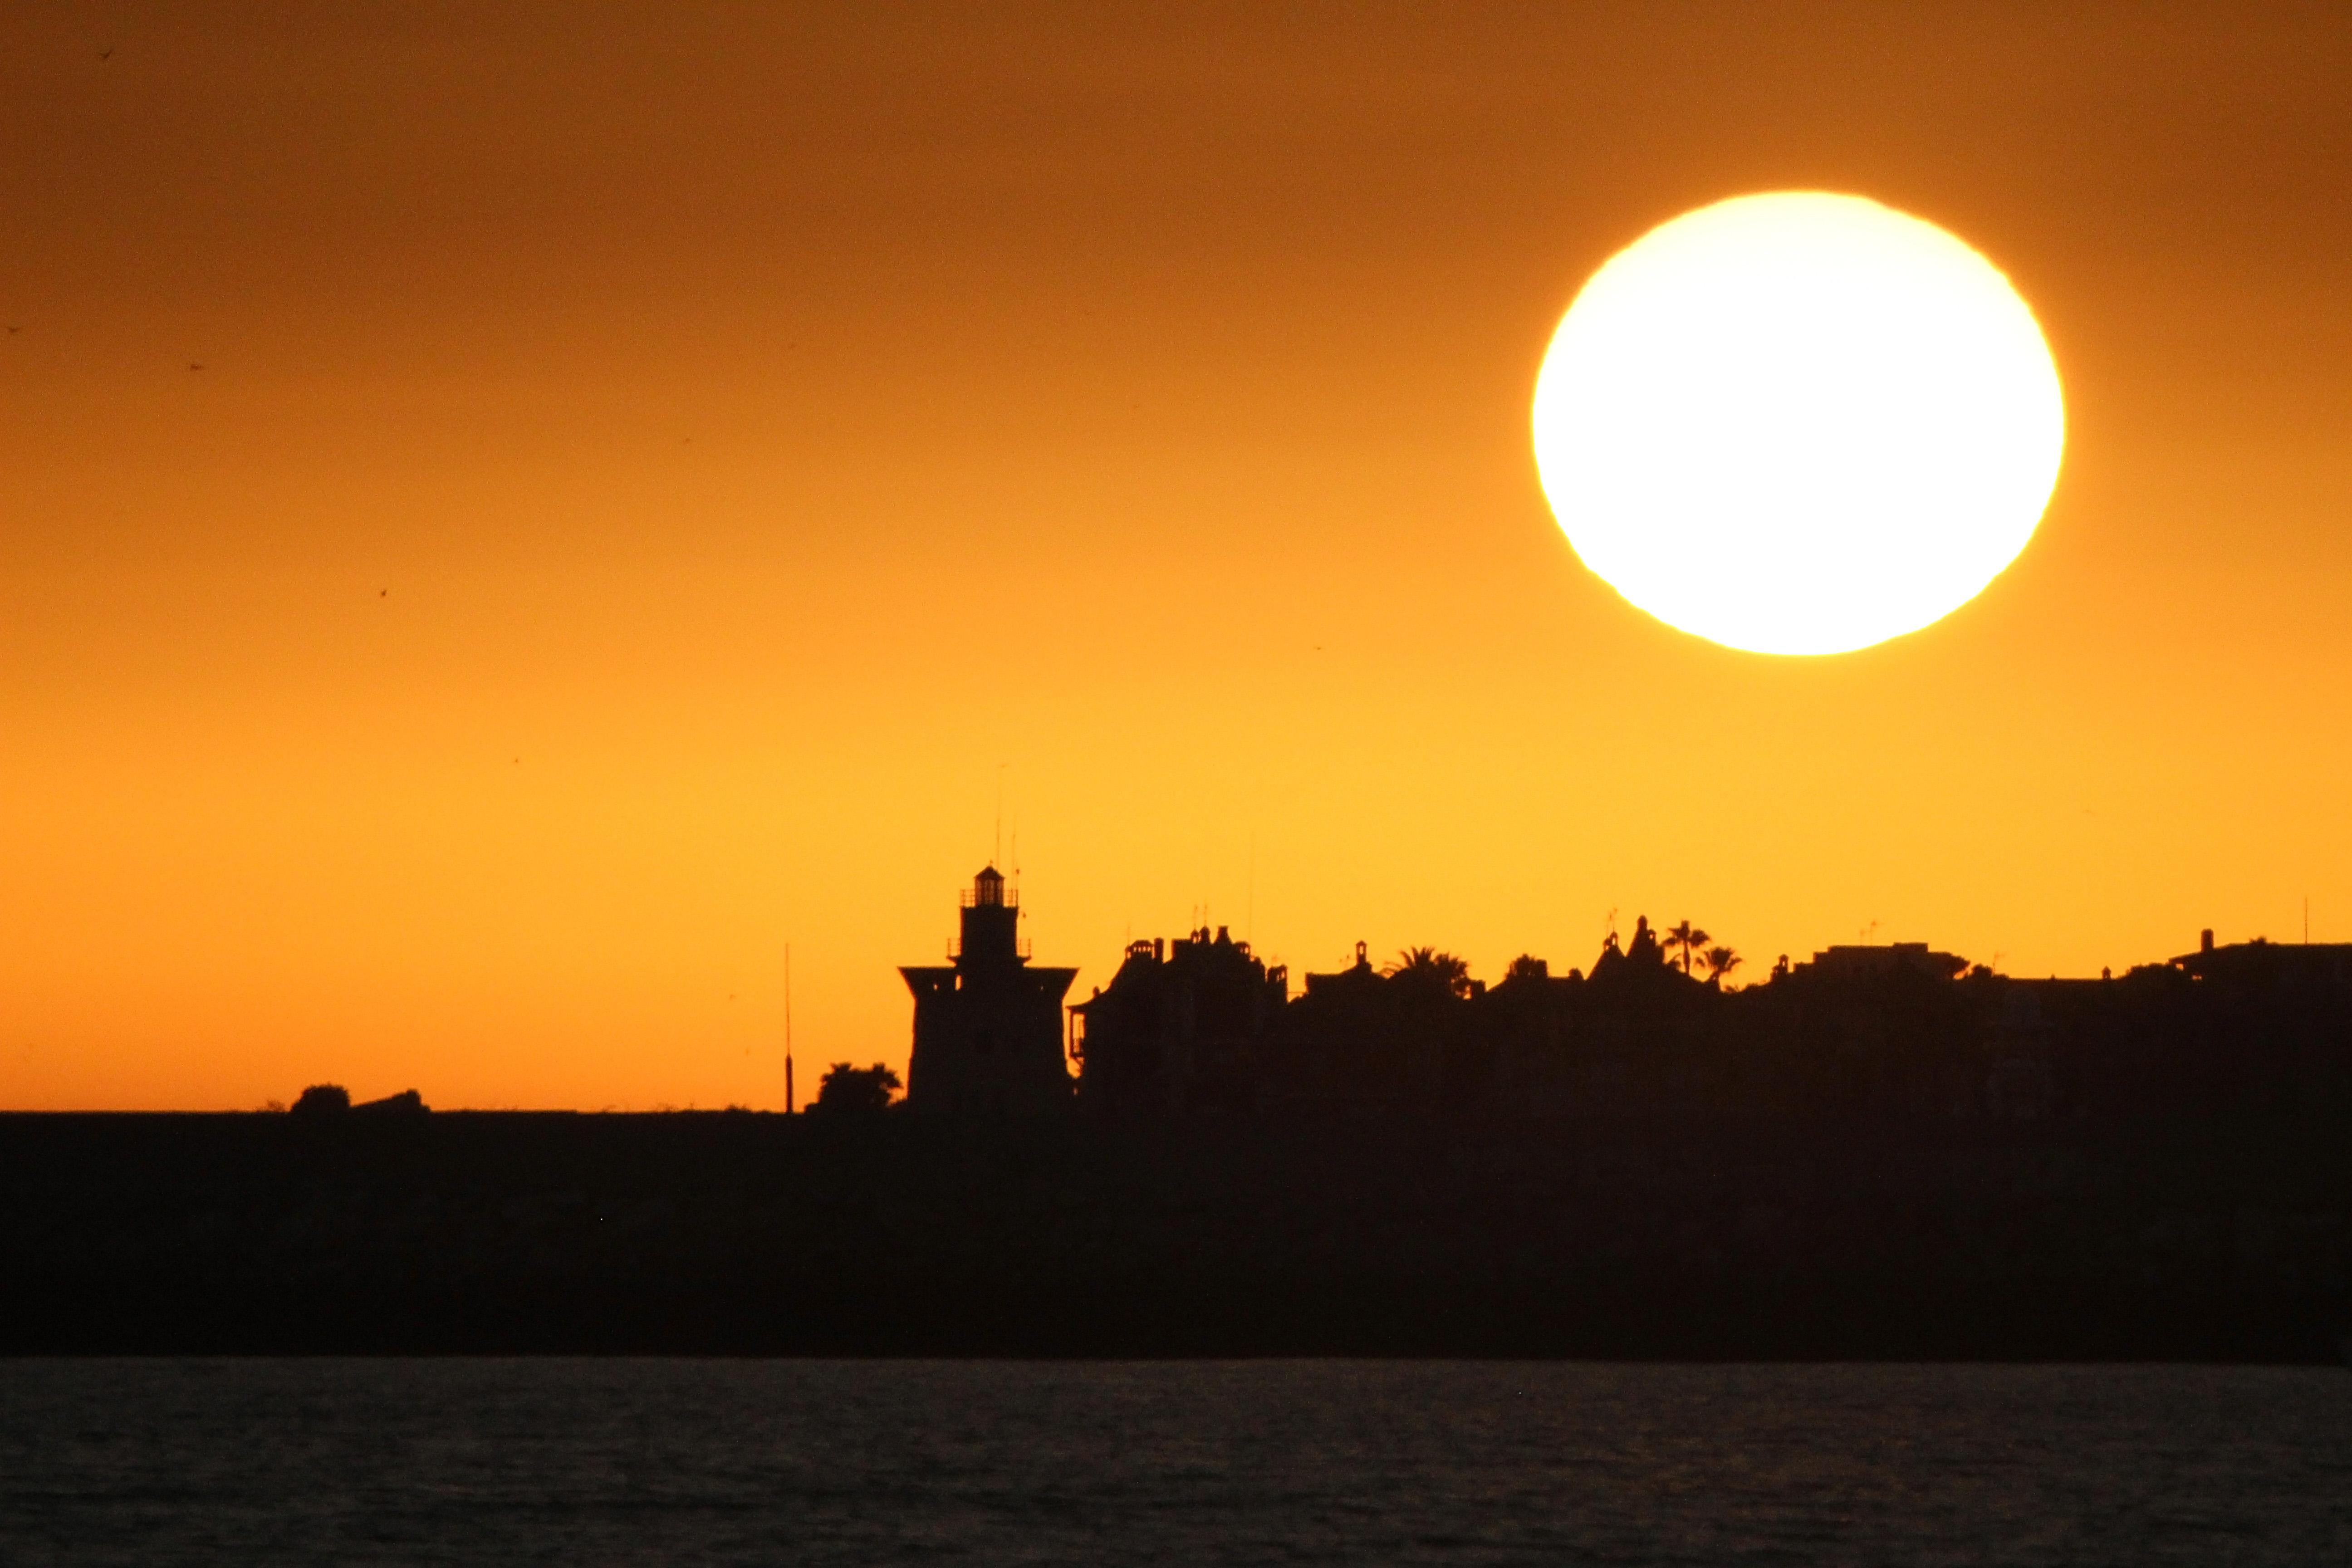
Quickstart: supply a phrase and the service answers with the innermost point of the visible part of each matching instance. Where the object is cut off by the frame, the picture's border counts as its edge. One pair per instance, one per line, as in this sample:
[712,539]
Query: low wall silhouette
[742,1232]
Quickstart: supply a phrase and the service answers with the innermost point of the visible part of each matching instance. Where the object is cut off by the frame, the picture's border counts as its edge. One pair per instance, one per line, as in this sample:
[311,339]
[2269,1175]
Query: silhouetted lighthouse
[987,1027]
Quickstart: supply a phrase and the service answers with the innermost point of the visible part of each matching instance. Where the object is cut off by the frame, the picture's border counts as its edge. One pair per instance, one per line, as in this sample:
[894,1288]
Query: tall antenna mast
[788,1029]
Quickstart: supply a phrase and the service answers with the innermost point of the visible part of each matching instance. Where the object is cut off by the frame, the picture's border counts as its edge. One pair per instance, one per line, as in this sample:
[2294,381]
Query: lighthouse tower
[988,1026]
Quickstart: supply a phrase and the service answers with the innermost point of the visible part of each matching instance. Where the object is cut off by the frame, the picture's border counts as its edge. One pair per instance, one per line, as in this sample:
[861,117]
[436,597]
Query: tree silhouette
[1720,962]
[849,1089]
[1426,966]
[1690,940]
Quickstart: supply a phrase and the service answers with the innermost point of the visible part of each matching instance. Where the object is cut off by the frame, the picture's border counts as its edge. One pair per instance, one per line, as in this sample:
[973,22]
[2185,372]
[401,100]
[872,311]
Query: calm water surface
[1356,1462]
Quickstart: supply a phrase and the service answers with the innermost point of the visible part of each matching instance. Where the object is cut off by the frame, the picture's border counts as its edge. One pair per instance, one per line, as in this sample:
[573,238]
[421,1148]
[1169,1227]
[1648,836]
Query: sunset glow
[505,527]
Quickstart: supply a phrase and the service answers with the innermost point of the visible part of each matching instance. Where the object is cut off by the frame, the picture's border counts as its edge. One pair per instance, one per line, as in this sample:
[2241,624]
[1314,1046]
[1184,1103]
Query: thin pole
[788,1029]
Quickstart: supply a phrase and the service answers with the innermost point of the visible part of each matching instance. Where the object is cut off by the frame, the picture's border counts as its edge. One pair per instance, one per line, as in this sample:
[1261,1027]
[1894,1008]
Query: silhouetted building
[988,1026]
[1363,1040]
[1878,961]
[1180,1028]
[2264,963]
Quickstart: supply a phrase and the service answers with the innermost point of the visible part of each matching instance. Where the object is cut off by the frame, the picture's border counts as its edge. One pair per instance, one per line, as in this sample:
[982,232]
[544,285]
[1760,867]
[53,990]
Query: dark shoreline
[749,1234]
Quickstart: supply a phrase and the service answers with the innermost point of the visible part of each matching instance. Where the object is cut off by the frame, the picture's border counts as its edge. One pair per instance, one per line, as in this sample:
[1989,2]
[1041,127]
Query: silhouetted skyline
[658,477]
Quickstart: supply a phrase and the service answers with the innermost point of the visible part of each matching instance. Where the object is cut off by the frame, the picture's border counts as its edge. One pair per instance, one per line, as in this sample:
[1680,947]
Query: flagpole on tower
[788,1028]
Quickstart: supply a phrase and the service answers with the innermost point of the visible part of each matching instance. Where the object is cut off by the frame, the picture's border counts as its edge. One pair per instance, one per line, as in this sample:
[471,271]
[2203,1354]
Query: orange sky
[653,469]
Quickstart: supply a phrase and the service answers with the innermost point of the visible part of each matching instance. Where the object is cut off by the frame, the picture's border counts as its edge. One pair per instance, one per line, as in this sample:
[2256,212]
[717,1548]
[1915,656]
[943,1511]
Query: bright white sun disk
[1798,422]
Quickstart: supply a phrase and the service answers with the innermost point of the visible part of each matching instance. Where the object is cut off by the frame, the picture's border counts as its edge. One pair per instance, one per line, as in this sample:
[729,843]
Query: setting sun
[1798,422]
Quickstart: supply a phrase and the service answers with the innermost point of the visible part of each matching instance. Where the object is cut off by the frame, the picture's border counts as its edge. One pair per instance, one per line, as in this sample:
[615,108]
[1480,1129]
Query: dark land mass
[1884,1152]
[749,1234]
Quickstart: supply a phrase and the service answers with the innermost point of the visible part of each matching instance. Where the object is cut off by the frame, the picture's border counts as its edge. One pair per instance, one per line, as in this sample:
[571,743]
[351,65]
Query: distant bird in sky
[106,53]
[383,593]
[194,365]
[14,330]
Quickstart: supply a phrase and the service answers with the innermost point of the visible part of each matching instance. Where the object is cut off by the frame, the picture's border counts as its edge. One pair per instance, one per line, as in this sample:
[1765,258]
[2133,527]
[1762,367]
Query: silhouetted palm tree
[1427,966]
[1720,962]
[1690,939]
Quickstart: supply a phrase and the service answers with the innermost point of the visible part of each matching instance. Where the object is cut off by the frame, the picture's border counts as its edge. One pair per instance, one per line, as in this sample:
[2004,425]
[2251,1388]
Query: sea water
[230,1461]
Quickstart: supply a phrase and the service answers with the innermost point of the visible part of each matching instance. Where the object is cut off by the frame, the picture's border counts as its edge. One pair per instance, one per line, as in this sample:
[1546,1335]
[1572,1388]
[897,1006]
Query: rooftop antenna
[788,1029]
